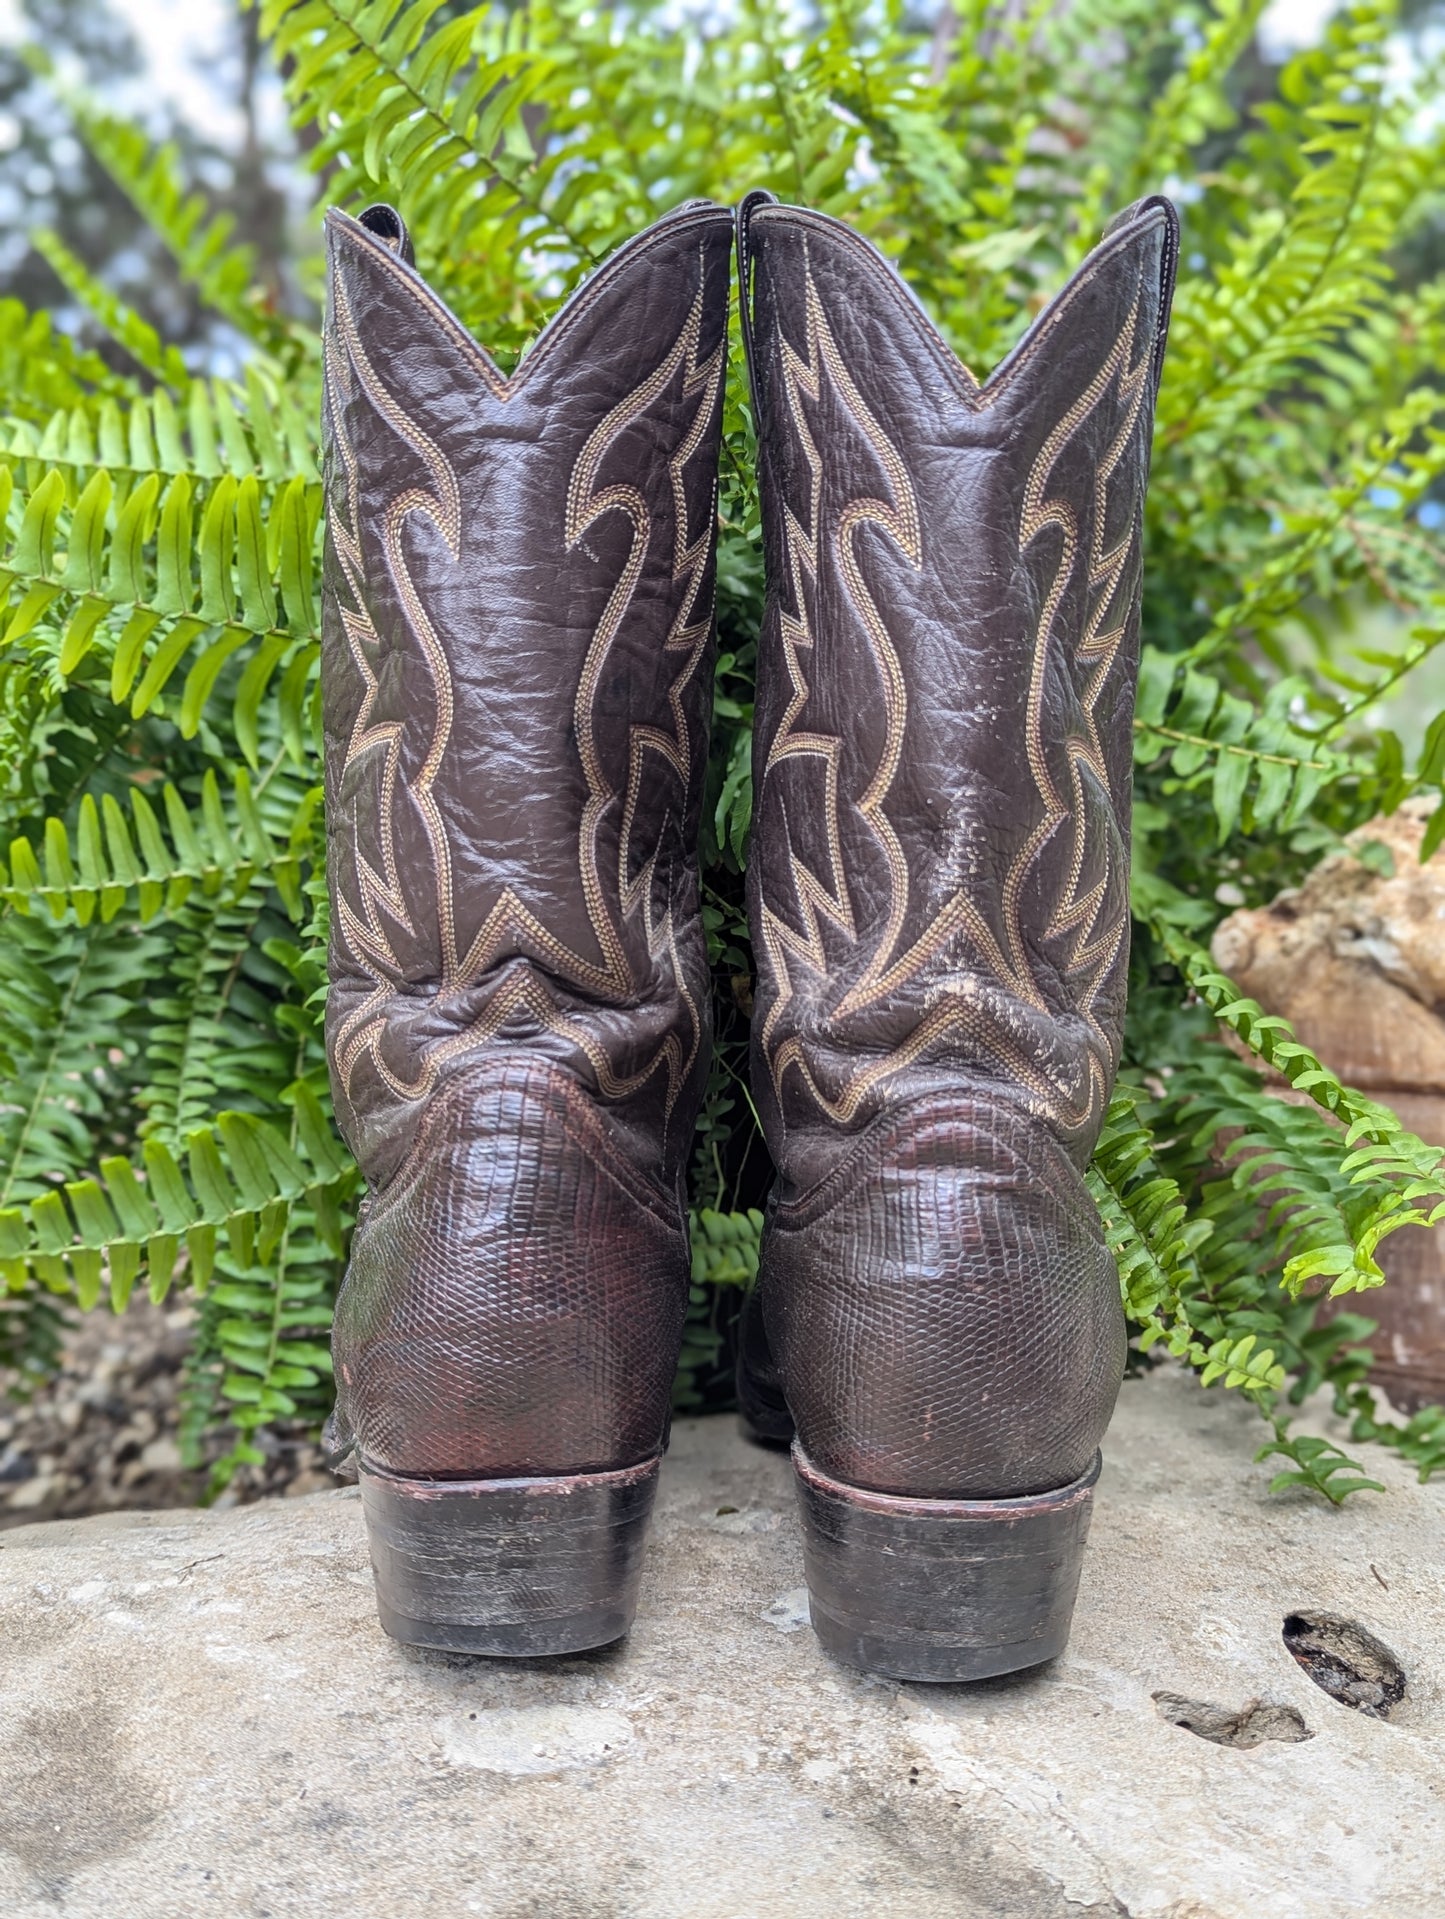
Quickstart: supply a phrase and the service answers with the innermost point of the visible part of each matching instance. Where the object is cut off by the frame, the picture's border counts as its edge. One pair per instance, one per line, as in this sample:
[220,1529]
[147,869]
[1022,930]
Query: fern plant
[161,974]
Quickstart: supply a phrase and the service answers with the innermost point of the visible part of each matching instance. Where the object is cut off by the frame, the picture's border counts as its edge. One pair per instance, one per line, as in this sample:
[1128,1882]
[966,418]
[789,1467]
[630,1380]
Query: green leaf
[1231,778]
[316,1137]
[167,1187]
[218,541]
[251,690]
[175,588]
[258,599]
[295,559]
[84,563]
[129,651]
[203,675]
[129,1198]
[80,634]
[294,688]
[163,662]
[1433,834]
[162,1252]
[35,546]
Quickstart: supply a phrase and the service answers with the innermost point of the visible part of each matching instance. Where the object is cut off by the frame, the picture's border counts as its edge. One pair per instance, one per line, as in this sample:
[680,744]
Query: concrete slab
[199,1716]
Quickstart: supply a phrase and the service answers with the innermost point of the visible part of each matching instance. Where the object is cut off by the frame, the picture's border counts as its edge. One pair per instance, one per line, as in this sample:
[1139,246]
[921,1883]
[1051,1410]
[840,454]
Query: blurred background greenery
[161,169]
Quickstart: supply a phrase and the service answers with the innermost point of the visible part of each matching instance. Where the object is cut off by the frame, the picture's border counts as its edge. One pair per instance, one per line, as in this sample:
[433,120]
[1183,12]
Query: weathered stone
[1358,954]
[1355,960]
[199,1716]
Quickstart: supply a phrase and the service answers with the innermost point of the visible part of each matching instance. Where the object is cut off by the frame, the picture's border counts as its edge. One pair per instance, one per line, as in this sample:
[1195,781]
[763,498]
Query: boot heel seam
[588,1139]
[909,1118]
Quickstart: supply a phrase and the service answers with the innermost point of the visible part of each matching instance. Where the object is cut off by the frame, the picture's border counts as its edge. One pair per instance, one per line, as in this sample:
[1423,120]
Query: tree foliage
[163,911]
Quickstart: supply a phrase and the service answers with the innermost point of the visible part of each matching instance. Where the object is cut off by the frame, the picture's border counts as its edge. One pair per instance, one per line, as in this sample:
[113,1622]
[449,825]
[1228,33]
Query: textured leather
[939,866]
[516,674]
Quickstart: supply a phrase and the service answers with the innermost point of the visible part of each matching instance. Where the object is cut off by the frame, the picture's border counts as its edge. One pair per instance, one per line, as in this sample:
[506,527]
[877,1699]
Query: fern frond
[1316,1465]
[256,429]
[33,1325]
[1196,101]
[1263,765]
[1290,571]
[239,1177]
[725,1247]
[1332,1196]
[41,368]
[140,558]
[127,329]
[1147,1229]
[263,1355]
[109,862]
[204,1035]
[200,242]
[59,987]
[1296,276]
[432,116]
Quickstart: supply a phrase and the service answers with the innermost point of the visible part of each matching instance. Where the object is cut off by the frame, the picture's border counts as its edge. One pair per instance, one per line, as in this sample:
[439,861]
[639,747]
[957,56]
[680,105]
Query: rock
[15,1466]
[103,1431]
[1254,1722]
[1355,960]
[34,1491]
[1358,955]
[200,1716]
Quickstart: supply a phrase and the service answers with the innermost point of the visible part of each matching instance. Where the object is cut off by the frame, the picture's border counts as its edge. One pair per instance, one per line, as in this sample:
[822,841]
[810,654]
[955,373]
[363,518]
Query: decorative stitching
[980,1008]
[978,395]
[349,373]
[502,386]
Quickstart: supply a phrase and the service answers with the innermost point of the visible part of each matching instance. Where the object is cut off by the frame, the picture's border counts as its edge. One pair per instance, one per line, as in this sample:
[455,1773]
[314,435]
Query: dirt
[1346,1661]
[1250,1725]
[103,1434]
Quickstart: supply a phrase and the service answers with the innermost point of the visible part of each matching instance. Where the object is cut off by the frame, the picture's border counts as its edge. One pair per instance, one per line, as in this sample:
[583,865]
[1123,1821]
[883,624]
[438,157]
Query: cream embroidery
[510,924]
[971,1007]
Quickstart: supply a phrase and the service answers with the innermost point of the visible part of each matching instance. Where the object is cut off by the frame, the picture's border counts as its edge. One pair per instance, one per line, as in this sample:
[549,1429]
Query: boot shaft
[516,683]
[939,867]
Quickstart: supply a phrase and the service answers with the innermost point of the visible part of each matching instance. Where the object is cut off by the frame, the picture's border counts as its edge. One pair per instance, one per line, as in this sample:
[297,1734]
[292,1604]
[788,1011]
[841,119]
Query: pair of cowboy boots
[517,662]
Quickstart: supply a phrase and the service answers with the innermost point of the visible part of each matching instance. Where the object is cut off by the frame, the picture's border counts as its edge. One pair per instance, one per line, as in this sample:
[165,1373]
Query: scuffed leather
[939,867]
[516,671]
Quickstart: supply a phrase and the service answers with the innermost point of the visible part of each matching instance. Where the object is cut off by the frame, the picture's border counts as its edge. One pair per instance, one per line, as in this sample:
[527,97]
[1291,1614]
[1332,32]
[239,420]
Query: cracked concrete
[199,1716]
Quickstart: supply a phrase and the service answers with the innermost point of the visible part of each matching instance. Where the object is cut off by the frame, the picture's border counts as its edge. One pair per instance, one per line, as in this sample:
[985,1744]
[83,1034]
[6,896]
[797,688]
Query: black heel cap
[941,1589]
[510,1568]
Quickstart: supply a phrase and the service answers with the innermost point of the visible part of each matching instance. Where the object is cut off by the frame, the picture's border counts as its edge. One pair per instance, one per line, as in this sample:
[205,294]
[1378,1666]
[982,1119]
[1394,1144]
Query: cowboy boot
[939,908]
[516,685]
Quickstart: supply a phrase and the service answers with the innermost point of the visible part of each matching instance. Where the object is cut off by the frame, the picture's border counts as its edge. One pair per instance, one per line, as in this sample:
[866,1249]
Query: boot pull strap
[1168,265]
[747,207]
[389,227]
[1168,270]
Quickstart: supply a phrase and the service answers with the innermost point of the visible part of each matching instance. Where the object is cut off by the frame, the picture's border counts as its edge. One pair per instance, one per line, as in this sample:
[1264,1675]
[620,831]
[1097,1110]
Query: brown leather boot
[516,679]
[939,903]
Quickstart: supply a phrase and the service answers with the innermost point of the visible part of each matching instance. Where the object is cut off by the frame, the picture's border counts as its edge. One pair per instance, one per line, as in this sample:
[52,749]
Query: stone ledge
[200,1716]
